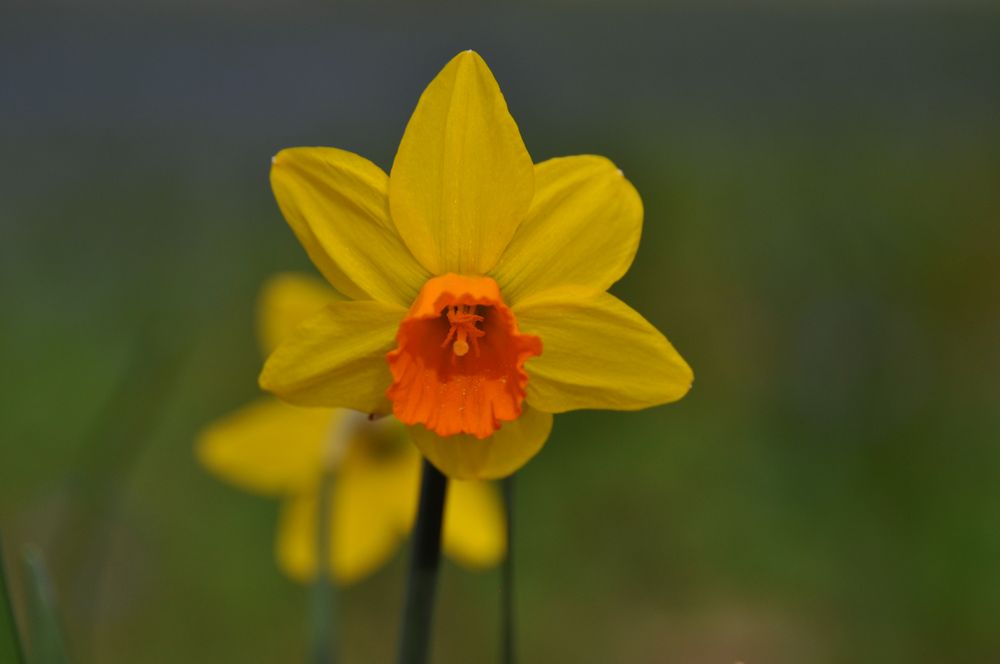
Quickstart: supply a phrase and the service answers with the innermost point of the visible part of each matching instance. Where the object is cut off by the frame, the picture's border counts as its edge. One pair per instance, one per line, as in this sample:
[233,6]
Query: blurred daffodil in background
[274,449]
[476,282]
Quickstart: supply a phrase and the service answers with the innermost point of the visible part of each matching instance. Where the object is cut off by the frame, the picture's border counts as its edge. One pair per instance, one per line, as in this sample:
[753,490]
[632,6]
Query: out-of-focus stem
[323,620]
[507,647]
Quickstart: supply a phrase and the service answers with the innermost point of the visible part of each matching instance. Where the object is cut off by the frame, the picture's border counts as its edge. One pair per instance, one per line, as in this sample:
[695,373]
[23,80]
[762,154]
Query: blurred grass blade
[324,647]
[44,629]
[105,463]
[11,644]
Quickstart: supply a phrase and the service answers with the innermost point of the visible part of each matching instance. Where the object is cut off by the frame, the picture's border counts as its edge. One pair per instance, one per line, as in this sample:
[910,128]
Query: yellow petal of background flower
[367,505]
[372,506]
[465,457]
[268,446]
[474,528]
[462,179]
[353,559]
[295,546]
[582,229]
[336,203]
[598,353]
[336,358]
[285,301]
[389,465]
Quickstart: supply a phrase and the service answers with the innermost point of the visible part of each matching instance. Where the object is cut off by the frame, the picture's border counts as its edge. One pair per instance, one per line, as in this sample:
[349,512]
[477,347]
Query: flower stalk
[418,610]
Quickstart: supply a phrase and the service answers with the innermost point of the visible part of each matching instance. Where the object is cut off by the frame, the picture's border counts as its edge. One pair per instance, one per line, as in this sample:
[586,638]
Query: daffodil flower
[476,282]
[275,449]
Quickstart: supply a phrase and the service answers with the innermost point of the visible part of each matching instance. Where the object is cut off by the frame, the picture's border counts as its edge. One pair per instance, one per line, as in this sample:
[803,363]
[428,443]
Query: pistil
[463,321]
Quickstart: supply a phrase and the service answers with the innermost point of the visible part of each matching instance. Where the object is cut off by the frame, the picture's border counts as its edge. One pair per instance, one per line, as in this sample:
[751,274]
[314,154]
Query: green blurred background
[820,243]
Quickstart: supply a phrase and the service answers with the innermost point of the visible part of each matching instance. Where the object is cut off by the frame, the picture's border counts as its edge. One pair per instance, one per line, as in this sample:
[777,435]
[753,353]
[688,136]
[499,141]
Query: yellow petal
[285,301]
[362,537]
[367,504]
[598,353]
[474,529]
[384,455]
[582,230]
[372,505]
[268,446]
[465,457]
[295,547]
[336,358]
[462,179]
[336,203]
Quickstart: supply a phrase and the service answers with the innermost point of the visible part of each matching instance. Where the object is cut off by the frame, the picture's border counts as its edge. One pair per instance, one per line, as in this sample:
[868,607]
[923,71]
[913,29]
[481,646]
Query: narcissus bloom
[276,449]
[476,282]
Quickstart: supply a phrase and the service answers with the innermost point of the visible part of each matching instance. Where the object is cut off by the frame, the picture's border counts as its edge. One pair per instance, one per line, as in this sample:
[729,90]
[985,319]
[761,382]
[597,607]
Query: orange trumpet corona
[459,363]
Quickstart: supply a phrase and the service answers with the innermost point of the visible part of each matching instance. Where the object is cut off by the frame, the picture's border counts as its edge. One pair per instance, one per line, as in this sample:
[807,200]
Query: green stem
[14,648]
[323,631]
[414,644]
[507,648]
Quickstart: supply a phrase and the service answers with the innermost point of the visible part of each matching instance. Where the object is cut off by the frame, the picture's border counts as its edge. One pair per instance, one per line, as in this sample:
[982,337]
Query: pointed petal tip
[282,157]
[202,447]
[267,381]
[471,58]
[684,383]
[264,379]
[286,156]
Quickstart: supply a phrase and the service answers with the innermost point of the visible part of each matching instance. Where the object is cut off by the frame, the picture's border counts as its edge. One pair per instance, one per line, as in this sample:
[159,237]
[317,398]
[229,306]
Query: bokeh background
[821,243]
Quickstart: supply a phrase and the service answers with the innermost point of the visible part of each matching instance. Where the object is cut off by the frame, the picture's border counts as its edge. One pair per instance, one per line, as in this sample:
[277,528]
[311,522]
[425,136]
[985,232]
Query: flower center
[459,364]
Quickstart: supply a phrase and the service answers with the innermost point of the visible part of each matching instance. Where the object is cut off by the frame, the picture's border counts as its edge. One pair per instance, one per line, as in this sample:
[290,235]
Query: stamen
[463,327]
